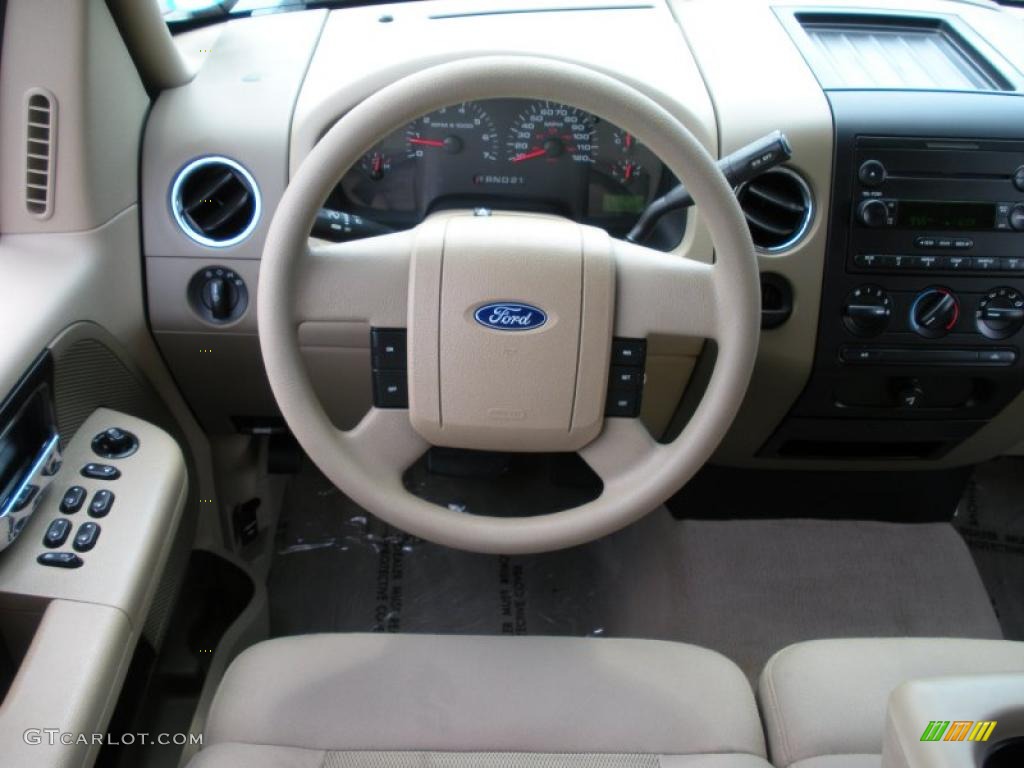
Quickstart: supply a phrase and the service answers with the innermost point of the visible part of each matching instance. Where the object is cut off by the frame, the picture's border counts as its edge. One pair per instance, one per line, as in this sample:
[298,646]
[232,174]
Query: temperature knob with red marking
[934,312]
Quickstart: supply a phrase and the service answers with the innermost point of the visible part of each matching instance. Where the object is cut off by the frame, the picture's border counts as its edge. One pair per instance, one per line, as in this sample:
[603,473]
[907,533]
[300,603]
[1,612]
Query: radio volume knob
[873,213]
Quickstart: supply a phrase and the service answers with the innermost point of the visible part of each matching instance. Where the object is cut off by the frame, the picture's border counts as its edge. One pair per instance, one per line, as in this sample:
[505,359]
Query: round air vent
[215,201]
[779,208]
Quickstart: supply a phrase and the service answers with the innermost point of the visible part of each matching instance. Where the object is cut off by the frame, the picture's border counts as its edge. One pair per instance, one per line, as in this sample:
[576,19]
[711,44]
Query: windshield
[182,14]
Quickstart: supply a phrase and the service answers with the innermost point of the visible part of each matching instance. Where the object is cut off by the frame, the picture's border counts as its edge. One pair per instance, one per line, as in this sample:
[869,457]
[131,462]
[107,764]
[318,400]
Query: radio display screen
[923,214]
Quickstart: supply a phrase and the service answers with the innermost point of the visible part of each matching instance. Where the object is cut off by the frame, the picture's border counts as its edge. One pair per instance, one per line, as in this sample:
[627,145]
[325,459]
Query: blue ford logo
[510,316]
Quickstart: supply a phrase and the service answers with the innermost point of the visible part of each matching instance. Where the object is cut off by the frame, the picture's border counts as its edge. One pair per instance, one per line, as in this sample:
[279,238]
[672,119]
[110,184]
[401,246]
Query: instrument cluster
[516,154]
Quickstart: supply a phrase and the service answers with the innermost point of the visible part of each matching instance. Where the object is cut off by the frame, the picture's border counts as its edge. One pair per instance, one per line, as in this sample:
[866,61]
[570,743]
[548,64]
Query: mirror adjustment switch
[74,498]
[100,471]
[115,443]
[101,503]
[60,559]
[86,537]
[57,532]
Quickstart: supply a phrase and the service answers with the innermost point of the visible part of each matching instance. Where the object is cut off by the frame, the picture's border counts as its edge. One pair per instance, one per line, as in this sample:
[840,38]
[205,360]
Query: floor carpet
[991,519]
[745,588]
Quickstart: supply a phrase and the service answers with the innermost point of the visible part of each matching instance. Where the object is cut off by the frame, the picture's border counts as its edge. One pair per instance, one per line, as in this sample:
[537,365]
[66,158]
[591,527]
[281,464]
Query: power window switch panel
[60,559]
[74,498]
[86,537]
[57,533]
[390,389]
[100,471]
[101,503]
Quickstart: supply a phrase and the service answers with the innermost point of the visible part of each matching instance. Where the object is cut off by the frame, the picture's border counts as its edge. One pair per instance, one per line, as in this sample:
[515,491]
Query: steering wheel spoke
[387,444]
[363,280]
[622,447]
[662,294]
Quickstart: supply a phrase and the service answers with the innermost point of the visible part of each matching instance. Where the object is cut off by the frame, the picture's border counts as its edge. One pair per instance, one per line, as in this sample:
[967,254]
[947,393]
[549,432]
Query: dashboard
[850,375]
[516,154]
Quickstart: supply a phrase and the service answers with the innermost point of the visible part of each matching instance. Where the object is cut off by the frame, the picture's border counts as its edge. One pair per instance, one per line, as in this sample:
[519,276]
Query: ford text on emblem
[510,316]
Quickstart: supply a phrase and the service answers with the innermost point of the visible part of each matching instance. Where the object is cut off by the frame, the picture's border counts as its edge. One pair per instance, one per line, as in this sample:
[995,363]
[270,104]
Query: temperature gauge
[375,164]
[628,172]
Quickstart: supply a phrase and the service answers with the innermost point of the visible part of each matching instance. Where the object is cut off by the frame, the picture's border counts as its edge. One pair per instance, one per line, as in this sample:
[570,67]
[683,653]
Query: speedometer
[465,129]
[546,132]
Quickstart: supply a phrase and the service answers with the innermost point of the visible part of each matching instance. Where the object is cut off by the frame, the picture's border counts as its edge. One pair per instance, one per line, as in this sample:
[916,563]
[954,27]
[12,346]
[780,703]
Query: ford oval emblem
[510,316]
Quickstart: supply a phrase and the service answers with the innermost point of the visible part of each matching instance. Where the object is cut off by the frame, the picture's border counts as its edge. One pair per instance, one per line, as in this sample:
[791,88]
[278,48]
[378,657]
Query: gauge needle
[529,155]
[427,142]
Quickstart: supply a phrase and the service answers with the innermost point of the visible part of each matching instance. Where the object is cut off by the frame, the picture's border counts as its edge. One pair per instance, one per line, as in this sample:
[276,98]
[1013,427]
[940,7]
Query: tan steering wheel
[471,386]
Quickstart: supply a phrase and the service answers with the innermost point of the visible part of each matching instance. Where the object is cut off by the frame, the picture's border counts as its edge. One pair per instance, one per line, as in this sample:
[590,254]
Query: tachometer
[464,129]
[549,132]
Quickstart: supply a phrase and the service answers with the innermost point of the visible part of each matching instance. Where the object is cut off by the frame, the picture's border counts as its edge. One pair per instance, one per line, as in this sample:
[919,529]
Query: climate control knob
[934,312]
[873,213]
[1000,313]
[867,310]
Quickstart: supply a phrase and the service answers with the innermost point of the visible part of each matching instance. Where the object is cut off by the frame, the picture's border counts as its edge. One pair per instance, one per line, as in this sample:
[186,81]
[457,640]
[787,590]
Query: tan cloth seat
[824,702]
[392,701]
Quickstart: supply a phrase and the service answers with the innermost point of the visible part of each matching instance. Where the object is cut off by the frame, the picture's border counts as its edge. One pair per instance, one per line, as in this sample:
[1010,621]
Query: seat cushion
[258,756]
[445,694]
[829,697]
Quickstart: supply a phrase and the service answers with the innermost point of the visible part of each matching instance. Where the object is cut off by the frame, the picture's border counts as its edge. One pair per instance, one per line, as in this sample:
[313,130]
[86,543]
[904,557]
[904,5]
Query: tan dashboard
[272,85]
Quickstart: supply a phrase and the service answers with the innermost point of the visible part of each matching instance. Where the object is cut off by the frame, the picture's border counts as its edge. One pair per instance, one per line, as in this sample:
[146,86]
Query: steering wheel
[541,387]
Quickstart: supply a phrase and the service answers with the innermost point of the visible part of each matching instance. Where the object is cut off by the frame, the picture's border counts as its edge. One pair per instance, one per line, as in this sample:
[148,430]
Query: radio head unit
[924,205]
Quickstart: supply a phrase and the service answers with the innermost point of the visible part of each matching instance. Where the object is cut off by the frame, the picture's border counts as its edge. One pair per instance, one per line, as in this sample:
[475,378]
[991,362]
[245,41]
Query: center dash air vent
[215,201]
[779,208]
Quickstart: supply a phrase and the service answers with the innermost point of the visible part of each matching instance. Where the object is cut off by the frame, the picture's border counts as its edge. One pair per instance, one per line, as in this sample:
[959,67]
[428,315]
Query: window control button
[629,352]
[57,532]
[60,559]
[101,503]
[100,471]
[86,537]
[74,498]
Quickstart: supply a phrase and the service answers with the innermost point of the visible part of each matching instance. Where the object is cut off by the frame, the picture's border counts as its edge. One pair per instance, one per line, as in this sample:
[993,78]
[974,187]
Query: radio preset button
[959,263]
[985,263]
[1012,264]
